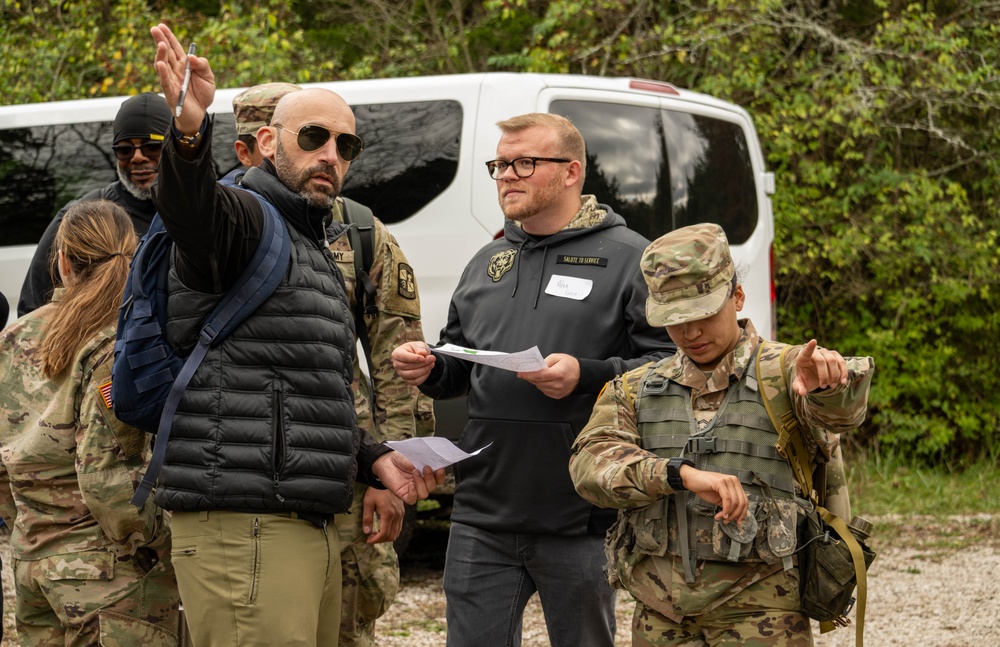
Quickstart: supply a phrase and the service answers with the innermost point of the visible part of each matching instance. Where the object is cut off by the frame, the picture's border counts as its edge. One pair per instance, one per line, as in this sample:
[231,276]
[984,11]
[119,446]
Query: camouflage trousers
[762,615]
[92,598]
[370,577]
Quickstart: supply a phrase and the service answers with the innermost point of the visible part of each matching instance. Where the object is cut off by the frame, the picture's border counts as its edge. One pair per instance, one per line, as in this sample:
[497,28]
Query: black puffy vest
[268,421]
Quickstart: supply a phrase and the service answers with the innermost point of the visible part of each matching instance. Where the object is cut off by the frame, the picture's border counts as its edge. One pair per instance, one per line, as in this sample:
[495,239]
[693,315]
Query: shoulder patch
[406,285]
[105,390]
[501,263]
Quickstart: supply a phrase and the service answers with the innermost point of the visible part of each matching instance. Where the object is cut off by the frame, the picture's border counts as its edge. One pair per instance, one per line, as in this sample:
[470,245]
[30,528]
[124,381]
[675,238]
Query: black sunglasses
[124,152]
[312,137]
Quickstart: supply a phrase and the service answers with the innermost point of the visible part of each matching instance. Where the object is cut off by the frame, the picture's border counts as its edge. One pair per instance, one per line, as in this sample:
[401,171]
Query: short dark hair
[249,140]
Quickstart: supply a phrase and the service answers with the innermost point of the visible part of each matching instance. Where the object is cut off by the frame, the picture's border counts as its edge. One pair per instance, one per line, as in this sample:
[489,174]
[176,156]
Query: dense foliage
[880,119]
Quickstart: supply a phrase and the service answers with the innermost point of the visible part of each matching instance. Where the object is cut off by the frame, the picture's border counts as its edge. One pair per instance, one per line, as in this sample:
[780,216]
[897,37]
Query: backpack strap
[770,367]
[361,232]
[258,281]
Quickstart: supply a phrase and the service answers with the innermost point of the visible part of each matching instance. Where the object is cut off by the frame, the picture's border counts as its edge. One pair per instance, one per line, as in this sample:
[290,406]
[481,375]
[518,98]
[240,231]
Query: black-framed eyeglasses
[312,137]
[523,166]
[124,152]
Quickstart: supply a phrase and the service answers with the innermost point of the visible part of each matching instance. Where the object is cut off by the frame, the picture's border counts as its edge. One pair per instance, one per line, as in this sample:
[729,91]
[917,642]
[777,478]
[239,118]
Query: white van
[660,156]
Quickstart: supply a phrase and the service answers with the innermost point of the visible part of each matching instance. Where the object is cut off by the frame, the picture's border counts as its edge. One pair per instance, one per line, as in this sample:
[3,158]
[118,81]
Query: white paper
[432,451]
[569,287]
[525,360]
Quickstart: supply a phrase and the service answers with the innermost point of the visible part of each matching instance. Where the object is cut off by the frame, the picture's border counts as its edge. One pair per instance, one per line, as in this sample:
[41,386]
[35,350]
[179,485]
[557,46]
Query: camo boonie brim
[254,107]
[689,273]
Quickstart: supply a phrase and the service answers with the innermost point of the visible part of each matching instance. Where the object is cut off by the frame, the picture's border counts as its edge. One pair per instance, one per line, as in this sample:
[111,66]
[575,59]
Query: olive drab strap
[779,408]
[860,569]
[791,445]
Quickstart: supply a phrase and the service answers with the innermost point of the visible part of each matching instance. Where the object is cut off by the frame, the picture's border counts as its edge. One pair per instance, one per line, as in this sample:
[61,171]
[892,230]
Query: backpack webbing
[361,232]
[791,445]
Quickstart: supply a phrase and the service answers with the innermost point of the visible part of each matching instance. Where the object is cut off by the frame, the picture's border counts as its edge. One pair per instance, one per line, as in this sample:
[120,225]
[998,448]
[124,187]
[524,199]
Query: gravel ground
[935,583]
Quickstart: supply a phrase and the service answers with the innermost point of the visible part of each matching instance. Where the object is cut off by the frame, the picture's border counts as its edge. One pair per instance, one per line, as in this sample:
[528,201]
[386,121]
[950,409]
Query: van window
[44,167]
[410,156]
[662,169]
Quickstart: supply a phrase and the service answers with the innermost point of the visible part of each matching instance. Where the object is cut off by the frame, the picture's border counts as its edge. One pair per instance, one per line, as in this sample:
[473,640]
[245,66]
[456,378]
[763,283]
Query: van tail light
[774,292]
[498,235]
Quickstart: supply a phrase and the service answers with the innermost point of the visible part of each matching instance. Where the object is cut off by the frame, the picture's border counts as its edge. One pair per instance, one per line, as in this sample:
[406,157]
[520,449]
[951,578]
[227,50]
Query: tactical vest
[739,440]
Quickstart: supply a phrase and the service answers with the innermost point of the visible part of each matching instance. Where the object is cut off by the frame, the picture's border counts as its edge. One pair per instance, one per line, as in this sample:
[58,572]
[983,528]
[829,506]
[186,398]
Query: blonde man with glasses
[563,278]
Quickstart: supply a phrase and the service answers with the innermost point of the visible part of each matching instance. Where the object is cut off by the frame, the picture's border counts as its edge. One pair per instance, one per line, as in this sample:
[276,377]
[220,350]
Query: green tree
[880,119]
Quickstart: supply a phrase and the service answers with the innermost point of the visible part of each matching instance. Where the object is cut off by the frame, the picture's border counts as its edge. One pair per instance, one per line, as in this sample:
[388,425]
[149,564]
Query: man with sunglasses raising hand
[139,128]
[265,446]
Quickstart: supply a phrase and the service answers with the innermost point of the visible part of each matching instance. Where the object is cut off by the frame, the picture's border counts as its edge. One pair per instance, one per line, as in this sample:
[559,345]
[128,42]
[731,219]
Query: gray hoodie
[522,291]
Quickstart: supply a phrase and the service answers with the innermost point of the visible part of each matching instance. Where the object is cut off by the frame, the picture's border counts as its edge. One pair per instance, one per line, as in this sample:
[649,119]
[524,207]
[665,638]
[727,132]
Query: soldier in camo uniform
[706,546]
[369,563]
[89,567]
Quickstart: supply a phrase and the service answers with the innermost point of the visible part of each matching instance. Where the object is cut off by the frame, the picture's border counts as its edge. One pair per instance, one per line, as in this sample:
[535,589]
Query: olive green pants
[257,579]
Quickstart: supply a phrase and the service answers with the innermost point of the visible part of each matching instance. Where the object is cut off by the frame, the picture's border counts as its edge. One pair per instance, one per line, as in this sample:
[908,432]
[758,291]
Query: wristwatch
[674,473]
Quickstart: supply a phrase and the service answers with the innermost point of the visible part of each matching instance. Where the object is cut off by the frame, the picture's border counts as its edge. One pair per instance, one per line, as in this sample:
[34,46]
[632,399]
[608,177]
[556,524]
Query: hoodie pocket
[521,480]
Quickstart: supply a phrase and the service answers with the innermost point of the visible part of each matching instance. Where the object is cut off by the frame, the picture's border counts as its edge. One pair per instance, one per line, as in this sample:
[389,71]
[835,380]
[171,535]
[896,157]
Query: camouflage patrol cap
[689,273]
[254,107]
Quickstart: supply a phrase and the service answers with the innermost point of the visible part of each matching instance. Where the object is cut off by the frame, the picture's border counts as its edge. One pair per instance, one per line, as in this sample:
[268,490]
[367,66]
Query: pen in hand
[184,84]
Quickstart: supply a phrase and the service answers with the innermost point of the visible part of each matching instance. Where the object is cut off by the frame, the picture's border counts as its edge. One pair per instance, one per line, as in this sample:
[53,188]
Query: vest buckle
[700,445]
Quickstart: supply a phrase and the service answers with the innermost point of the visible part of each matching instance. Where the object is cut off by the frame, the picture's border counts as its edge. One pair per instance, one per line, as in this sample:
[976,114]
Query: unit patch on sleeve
[501,263]
[582,260]
[406,285]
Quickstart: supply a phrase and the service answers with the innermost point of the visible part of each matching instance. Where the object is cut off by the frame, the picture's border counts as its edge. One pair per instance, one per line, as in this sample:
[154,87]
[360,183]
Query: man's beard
[296,182]
[130,186]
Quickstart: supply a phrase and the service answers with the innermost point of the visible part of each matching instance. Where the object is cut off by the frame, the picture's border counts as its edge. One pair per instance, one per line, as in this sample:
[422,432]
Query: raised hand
[171,59]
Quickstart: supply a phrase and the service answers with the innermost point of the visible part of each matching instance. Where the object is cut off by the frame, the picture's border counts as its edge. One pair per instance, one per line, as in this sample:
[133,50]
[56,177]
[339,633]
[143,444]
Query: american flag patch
[106,393]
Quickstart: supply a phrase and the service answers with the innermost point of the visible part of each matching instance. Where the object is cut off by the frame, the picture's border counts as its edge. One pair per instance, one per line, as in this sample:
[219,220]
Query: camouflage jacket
[609,468]
[403,412]
[69,466]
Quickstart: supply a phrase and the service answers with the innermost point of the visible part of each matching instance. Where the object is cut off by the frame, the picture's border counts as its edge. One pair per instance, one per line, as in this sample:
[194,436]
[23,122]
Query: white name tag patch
[569,287]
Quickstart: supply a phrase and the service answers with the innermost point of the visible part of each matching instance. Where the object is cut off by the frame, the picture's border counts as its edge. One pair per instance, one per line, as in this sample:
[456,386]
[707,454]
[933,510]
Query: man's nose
[513,174]
[328,152]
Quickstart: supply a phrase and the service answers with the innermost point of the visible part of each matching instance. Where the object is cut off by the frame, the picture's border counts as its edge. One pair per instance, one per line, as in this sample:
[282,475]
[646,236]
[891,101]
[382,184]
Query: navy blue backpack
[148,377]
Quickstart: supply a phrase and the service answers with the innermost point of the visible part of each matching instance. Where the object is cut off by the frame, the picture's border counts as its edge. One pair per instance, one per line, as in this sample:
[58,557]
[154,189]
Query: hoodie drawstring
[517,269]
[541,275]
